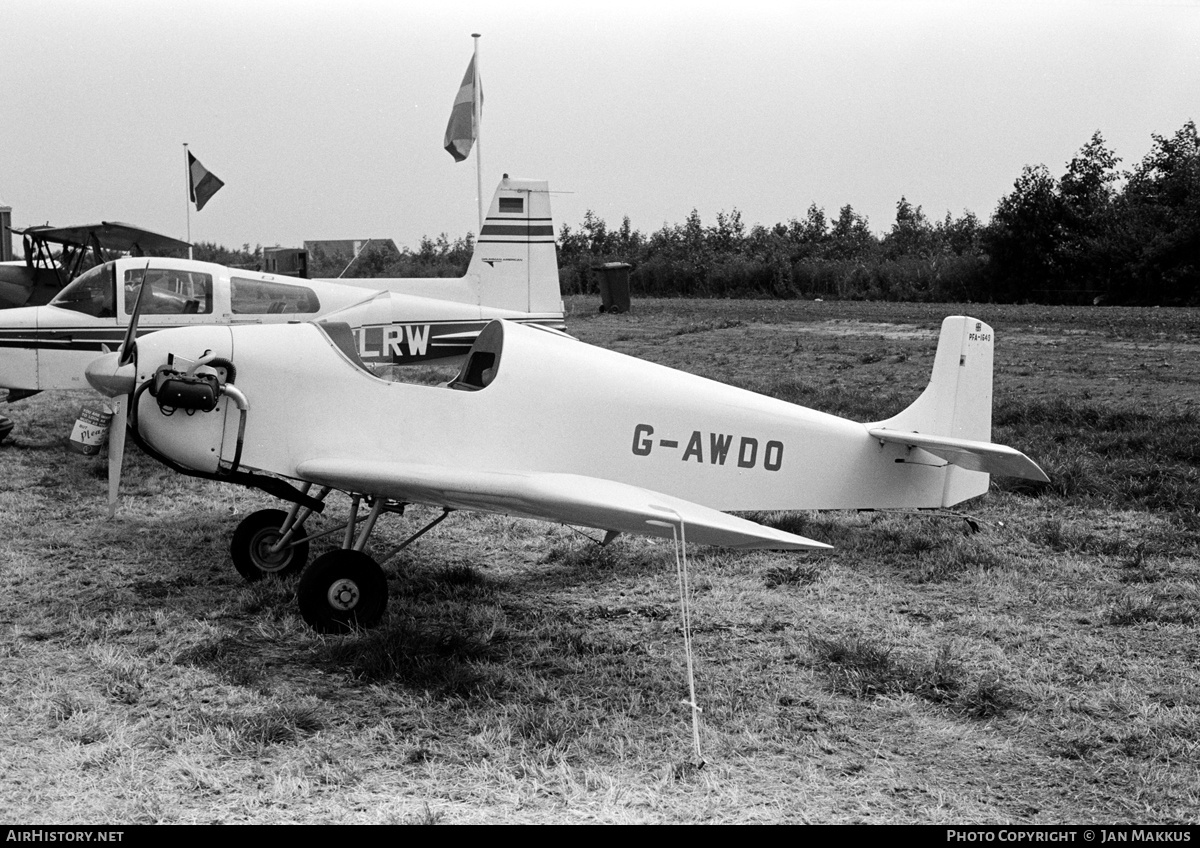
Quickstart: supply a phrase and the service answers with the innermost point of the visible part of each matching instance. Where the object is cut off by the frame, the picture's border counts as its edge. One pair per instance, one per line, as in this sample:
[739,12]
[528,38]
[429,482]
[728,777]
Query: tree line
[1095,234]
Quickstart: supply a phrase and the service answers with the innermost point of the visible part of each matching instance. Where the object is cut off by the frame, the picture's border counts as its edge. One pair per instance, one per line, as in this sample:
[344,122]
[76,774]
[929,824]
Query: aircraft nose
[109,377]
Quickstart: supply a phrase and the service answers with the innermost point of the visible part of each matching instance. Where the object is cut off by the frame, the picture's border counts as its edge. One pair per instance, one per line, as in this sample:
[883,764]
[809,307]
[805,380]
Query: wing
[975,456]
[110,235]
[565,498]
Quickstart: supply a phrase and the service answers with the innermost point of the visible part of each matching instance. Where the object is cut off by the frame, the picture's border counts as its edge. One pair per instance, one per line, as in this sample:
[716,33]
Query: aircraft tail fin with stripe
[515,259]
[514,265]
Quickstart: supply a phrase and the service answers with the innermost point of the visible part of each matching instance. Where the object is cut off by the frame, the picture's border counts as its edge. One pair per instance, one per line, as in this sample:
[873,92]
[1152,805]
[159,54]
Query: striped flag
[462,130]
[202,183]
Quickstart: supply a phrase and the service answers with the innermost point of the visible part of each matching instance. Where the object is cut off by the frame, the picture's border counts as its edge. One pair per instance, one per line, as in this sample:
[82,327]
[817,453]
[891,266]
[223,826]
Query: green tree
[911,235]
[1159,241]
[850,237]
[959,236]
[207,251]
[812,233]
[1024,236]
[728,234]
[1088,189]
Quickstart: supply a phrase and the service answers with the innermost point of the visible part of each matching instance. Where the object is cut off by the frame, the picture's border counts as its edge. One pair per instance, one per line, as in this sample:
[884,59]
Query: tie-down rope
[685,608]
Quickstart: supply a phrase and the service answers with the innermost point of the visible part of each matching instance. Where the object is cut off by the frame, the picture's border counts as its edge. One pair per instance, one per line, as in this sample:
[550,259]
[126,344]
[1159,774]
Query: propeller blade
[114,374]
[126,348]
[116,450]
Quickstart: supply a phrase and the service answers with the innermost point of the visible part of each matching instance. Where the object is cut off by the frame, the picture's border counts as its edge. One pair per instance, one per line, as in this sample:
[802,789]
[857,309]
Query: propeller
[115,374]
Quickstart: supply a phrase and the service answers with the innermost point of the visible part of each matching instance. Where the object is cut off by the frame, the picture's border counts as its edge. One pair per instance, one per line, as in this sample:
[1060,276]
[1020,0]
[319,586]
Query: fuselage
[535,401]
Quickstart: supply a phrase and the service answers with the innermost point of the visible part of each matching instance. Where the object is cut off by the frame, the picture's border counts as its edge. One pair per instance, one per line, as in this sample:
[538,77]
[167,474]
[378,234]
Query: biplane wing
[567,498]
[108,235]
[44,271]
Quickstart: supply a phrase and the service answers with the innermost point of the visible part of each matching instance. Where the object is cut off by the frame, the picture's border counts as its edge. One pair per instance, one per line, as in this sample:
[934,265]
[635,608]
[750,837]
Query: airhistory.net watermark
[46,834]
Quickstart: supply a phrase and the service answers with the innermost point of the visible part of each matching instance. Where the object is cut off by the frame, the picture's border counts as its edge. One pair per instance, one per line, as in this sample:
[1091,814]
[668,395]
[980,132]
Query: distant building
[292,261]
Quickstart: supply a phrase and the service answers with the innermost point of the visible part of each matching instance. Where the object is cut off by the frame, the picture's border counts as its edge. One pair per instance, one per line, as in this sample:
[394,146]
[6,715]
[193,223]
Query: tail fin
[958,400]
[952,419]
[515,260]
[514,266]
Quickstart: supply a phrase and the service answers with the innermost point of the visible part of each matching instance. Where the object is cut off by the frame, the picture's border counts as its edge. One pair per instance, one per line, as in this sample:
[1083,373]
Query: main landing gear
[342,589]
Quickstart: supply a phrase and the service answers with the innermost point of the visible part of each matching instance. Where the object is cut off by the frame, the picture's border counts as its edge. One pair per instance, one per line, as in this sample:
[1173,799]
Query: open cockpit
[477,371]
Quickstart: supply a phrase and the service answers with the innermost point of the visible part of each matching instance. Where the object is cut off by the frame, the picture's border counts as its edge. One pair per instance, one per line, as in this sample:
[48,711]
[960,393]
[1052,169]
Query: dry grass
[1042,668]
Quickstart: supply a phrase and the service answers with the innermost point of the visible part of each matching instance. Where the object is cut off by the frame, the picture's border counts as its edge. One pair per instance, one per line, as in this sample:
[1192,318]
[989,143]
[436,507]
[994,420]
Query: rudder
[958,400]
[515,258]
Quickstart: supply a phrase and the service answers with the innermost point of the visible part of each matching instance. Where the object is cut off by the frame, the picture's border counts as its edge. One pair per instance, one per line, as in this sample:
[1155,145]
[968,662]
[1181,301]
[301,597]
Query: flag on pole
[462,130]
[202,183]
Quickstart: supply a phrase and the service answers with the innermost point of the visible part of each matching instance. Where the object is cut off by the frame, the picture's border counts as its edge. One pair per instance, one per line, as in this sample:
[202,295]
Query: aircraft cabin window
[93,293]
[171,292]
[264,297]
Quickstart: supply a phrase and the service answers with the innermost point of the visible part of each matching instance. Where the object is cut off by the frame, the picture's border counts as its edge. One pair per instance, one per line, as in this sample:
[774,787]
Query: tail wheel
[342,590]
[252,543]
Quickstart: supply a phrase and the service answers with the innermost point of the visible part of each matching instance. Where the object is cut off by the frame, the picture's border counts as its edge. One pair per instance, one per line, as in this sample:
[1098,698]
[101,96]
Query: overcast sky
[325,119]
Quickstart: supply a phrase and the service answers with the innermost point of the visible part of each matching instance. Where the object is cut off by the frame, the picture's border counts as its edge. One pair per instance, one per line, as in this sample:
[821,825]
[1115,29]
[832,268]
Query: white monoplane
[513,274]
[536,425]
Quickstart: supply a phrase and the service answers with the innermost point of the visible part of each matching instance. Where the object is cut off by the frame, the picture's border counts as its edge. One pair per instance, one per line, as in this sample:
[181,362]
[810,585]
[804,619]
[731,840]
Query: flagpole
[475,107]
[187,203]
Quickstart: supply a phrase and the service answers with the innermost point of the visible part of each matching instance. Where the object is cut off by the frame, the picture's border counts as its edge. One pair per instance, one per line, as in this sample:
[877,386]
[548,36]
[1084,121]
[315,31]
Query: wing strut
[434,523]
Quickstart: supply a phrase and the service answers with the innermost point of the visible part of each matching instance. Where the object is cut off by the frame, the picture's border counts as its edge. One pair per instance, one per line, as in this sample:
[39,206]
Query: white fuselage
[554,405]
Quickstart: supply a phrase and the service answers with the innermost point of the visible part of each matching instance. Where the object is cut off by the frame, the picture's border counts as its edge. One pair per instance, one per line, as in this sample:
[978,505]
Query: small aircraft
[513,274]
[536,425]
[36,279]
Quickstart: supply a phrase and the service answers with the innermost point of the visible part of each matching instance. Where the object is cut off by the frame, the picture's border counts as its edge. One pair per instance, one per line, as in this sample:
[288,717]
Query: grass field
[1042,669]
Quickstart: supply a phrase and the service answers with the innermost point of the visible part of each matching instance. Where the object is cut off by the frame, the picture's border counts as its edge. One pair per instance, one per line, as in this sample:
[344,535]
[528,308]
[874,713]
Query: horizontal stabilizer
[975,456]
[566,498]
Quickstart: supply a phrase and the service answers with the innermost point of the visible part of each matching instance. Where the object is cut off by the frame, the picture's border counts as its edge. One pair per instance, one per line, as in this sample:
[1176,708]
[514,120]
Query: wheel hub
[343,594]
[267,559]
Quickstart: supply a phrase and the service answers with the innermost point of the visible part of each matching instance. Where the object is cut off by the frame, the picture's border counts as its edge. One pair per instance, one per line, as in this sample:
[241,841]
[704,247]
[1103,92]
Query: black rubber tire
[257,532]
[342,591]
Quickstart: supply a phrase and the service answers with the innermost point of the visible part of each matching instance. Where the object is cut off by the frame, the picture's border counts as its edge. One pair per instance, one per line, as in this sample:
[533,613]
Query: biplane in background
[513,274]
[536,425]
[46,269]
[54,256]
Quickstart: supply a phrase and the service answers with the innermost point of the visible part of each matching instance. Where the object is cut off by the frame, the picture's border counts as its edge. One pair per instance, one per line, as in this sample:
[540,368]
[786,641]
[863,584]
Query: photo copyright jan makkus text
[1098,835]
